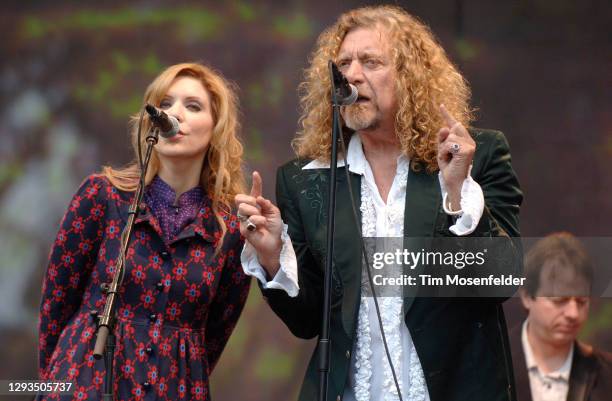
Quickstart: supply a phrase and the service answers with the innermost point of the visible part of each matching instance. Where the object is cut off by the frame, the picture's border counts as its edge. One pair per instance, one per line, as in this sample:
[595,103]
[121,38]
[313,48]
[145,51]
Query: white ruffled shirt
[370,377]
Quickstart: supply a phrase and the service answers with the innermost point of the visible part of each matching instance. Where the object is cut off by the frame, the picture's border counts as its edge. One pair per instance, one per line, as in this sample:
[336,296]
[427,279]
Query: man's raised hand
[455,154]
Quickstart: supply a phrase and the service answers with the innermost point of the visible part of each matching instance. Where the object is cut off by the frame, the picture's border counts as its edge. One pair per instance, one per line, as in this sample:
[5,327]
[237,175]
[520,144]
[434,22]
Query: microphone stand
[105,340]
[324,340]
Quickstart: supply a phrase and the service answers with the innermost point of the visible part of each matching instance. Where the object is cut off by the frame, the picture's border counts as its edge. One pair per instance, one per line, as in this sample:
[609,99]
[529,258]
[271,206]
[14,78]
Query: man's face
[365,59]
[560,307]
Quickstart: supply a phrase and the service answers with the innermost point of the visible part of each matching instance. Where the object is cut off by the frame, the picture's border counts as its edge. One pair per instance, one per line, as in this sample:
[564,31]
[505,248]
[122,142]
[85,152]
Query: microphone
[168,125]
[345,93]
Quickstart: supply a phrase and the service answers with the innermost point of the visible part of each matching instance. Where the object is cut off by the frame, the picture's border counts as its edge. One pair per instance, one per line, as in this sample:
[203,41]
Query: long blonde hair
[425,78]
[221,175]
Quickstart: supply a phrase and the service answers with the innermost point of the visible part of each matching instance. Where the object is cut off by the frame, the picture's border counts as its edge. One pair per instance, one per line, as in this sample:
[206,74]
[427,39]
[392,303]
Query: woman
[183,288]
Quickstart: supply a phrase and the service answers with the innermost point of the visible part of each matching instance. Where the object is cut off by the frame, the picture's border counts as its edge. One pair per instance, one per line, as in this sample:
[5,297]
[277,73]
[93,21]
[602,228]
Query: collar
[163,193]
[562,373]
[355,158]
[204,223]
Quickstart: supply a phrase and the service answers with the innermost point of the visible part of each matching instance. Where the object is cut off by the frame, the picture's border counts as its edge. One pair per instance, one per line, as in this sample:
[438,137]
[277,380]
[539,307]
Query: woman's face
[189,102]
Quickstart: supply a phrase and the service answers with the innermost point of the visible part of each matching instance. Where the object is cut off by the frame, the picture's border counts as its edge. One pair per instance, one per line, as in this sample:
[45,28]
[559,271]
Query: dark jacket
[590,375]
[462,344]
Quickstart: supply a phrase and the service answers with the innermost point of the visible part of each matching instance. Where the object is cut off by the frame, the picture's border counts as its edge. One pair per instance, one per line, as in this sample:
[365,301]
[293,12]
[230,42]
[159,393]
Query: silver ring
[241,217]
[454,148]
[250,225]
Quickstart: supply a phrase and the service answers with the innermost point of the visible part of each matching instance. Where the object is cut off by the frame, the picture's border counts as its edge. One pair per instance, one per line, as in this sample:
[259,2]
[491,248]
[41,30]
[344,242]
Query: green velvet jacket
[462,343]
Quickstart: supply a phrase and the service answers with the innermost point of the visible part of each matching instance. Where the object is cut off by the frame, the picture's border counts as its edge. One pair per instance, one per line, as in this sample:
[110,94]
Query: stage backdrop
[72,73]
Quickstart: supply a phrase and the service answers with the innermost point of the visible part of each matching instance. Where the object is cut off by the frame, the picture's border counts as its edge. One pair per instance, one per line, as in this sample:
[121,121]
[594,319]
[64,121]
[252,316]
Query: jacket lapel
[347,252]
[423,199]
[582,374]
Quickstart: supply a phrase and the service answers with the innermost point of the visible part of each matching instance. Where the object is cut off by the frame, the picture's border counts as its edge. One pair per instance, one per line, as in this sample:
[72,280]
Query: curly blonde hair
[221,175]
[425,78]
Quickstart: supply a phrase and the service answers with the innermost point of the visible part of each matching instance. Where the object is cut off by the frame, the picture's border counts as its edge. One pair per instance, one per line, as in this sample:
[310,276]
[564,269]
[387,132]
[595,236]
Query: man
[549,363]
[416,172]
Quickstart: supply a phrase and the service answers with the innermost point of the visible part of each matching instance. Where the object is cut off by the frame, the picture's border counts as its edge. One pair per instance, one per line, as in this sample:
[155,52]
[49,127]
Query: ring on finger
[454,148]
[250,225]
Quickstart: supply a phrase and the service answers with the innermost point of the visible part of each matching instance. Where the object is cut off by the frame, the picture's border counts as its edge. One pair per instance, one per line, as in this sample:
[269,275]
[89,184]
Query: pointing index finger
[257,184]
[443,134]
[448,118]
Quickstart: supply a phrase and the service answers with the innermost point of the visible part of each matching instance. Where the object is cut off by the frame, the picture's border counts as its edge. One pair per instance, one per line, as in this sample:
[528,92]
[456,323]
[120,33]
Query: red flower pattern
[162,283]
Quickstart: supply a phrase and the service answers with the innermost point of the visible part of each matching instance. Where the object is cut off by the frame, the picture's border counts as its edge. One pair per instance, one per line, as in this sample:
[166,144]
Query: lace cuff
[286,278]
[472,206]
